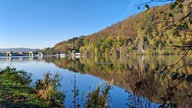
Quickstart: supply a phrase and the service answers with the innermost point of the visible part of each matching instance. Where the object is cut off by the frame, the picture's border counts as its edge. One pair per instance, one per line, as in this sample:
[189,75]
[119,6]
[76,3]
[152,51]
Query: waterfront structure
[31,54]
[8,53]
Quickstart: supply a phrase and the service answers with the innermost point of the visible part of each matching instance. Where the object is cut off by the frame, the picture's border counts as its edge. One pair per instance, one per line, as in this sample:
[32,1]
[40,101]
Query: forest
[156,30]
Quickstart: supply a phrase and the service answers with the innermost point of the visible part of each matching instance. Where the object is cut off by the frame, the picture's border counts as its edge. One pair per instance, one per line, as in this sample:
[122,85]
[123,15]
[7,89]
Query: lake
[136,81]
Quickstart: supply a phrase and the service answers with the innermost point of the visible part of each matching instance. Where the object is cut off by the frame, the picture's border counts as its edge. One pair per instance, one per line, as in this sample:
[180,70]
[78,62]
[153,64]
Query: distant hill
[153,31]
[2,50]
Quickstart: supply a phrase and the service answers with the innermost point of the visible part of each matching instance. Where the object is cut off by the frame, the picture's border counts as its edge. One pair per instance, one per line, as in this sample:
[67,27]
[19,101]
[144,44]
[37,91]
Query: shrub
[18,76]
[98,98]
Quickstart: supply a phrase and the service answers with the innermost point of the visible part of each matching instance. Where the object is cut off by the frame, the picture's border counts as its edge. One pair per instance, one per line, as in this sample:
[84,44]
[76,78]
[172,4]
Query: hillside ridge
[153,31]
[25,50]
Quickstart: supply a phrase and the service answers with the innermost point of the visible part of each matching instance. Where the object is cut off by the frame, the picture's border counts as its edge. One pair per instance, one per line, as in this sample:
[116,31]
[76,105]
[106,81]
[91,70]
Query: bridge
[30,54]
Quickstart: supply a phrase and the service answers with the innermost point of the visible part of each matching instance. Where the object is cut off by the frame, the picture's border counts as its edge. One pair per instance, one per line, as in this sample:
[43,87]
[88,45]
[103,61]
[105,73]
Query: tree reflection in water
[152,77]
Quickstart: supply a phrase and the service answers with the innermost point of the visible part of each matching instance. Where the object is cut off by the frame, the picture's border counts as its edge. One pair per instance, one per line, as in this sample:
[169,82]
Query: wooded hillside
[154,31]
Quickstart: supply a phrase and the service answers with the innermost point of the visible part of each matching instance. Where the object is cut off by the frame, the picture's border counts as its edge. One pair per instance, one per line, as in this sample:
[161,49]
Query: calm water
[139,81]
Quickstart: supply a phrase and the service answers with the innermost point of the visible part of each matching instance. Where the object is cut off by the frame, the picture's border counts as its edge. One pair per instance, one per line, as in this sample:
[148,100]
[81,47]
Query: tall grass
[46,89]
[98,98]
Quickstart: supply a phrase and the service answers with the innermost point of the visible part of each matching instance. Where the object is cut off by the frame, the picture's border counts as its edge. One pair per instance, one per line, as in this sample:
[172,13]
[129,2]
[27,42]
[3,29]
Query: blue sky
[43,23]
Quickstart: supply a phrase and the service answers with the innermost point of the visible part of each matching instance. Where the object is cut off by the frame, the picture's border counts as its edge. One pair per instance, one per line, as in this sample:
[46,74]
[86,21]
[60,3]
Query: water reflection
[18,58]
[147,76]
[152,77]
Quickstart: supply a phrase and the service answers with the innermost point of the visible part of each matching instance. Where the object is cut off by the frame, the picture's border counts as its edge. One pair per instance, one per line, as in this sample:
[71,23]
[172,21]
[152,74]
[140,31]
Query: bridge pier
[31,54]
[40,54]
[8,53]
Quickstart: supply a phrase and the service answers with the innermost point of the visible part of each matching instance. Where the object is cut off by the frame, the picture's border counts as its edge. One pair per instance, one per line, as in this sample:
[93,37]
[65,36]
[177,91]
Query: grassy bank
[15,90]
